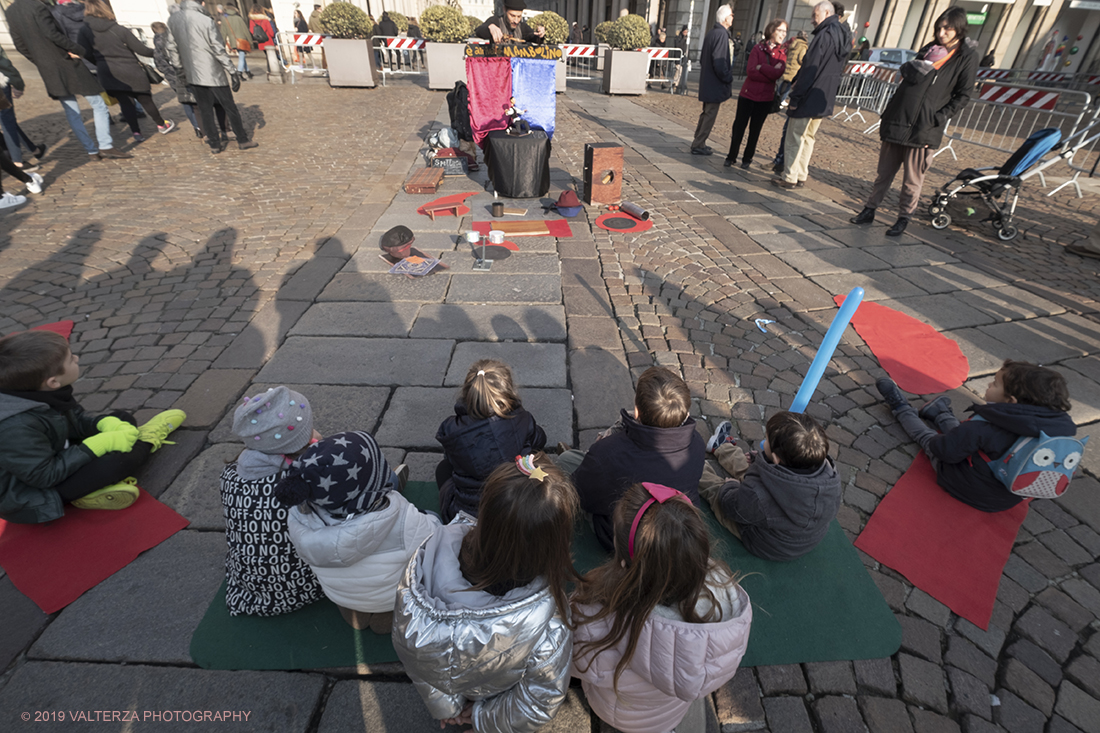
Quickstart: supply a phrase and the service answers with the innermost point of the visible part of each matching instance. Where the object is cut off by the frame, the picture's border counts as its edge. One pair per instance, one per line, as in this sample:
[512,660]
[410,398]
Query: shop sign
[975,18]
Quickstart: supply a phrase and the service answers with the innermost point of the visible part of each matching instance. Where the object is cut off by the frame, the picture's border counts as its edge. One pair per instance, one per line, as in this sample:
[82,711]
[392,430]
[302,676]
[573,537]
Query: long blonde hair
[489,390]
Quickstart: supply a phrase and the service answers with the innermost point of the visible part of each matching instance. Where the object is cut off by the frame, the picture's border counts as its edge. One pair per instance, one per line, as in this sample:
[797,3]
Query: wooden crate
[603,173]
[424,180]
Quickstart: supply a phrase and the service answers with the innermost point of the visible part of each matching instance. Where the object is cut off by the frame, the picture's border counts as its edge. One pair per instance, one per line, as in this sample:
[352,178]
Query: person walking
[195,47]
[237,38]
[715,78]
[814,92]
[767,60]
[37,36]
[259,24]
[115,51]
[14,137]
[935,86]
[315,20]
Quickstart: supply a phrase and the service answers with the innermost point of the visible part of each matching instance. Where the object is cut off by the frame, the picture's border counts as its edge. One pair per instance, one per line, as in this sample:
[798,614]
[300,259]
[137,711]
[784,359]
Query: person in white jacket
[353,527]
[661,625]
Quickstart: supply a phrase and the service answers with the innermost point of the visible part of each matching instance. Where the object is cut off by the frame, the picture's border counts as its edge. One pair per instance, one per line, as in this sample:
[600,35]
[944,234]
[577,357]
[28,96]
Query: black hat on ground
[398,242]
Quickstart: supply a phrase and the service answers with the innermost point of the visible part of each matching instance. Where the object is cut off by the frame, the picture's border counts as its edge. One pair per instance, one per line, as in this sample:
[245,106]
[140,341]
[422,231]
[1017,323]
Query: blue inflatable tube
[825,351]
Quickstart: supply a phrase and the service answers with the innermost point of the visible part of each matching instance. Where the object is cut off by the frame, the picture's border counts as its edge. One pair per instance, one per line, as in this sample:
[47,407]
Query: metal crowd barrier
[303,51]
[399,55]
[663,63]
[851,88]
[1004,115]
[1082,155]
[580,61]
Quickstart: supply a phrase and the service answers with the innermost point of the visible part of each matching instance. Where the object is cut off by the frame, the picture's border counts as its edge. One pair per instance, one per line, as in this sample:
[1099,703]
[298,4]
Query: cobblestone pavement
[195,278]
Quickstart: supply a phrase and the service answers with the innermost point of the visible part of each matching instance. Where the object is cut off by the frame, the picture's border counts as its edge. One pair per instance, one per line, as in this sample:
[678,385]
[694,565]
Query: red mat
[622,222]
[54,563]
[951,551]
[916,356]
[65,328]
[454,198]
[556,227]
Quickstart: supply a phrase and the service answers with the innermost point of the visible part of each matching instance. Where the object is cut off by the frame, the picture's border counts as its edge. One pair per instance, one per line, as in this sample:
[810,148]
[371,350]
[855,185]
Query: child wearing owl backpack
[983,461]
[350,522]
[263,574]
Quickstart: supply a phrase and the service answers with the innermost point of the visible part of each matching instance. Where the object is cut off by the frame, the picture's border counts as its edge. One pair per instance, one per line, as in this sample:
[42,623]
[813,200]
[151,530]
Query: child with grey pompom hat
[275,426]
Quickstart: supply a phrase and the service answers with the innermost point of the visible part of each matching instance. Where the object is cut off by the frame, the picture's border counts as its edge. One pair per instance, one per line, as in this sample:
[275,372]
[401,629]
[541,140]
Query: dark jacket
[475,447]
[923,103]
[782,513]
[717,68]
[7,68]
[42,448]
[70,17]
[113,48]
[670,456]
[171,73]
[521,31]
[814,91]
[413,31]
[387,26]
[963,472]
[38,37]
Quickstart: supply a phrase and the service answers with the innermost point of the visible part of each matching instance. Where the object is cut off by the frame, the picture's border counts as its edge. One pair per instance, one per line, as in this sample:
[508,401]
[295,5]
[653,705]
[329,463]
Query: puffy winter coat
[674,664]
[759,83]
[782,513]
[113,48]
[360,560]
[814,91]
[923,103]
[670,456]
[509,654]
[195,46]
[42,448]
[795,54]
[716,73]
[261,21]
[475,447]
[37,36]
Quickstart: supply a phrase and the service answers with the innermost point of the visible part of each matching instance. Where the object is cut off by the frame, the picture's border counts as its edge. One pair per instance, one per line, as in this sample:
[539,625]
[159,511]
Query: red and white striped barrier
[407,44]
[885,74]
[658,53]
[994,73]
[576,50]
[860,68]
[1028,98]
[1047,76]
[308,39]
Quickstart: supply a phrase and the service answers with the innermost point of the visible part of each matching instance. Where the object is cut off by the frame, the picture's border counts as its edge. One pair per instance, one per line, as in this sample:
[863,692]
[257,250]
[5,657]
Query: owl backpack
[1038,468]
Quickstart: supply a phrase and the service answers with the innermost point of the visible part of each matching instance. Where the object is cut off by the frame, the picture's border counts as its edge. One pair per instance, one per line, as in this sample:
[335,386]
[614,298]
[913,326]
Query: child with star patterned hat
[350,522]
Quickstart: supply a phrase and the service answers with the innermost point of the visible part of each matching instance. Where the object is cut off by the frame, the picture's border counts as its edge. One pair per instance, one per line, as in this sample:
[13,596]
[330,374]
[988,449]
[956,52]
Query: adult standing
[237,38]
[796,51]
[38,37]
[510,25]
[195,47]
[814,92]
[388,27]
[935,86]
[679,79]
[660,40]
[115,51]
[767,61]
[315,20]
[715,78]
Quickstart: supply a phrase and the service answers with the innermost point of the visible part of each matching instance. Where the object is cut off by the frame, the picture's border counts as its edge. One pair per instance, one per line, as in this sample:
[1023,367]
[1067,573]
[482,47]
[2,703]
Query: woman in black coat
[113,48]
[935,86]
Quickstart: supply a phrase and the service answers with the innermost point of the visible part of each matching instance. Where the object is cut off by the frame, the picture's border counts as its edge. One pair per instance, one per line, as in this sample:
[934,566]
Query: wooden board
[522,228]
[424,180]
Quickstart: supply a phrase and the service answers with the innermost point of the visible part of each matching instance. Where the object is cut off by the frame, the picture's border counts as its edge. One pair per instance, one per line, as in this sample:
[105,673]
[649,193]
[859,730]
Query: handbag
[243,44]
[154,76]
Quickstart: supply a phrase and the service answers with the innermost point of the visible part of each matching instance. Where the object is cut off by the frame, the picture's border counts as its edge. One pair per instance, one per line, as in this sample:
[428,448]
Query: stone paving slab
[369,257]
[884,285]
[544,323]
[335,409]
[196,493]
[948,278]
[512,263]
[1047,340]
[984,353]
[532,365]
[490,287]
[826,262]
[343,360]
[913,255]
[282,701]
[23,620]
[405,215]
[1084,395]
[385,288]
[942,311]
[872,236]
[159,597]
[1009,303]
[797,241]
[767,224]
[357,319]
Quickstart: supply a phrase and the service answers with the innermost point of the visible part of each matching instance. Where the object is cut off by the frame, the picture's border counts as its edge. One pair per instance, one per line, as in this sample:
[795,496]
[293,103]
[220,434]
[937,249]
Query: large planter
[559,81]
[446,64]
[601,51]
[625,72]
[350,62]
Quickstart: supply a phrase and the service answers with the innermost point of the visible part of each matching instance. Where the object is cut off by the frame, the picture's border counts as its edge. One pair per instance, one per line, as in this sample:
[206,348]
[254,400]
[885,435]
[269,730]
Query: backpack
[1039,468]
[458,105]
[259,35]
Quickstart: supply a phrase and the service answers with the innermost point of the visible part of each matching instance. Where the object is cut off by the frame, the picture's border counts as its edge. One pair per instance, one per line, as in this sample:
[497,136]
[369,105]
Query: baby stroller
[1000,190]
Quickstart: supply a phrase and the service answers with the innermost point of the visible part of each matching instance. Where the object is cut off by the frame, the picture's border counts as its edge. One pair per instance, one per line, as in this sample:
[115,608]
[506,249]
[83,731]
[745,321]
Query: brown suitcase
[603,173]
[424,180]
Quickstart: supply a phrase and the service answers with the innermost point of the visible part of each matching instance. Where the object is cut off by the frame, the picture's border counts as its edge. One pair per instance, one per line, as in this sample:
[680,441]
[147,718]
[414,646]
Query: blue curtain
[533,88]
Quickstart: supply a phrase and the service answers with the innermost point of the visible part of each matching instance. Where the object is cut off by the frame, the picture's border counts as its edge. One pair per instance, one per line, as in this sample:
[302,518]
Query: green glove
[112,424]
[102,443]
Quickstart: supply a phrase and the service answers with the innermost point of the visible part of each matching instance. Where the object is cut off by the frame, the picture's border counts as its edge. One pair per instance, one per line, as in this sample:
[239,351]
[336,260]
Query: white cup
[473,237]
[496,237]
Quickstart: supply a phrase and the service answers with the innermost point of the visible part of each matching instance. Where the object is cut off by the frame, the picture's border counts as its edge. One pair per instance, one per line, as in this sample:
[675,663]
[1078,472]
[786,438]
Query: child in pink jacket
[661,625]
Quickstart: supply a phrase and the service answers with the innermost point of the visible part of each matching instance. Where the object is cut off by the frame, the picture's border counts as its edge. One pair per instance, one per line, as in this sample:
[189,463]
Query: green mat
[822,607]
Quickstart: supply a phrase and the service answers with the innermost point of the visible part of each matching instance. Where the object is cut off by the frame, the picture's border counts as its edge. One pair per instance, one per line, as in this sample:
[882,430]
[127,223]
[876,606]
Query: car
[891,58]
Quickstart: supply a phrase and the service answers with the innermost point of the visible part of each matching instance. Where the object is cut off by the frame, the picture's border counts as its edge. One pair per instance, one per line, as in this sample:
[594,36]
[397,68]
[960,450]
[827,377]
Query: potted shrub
[600,33]
[474,24]
[626,67]
[400,20]
[347,48]
[557,31]
[446,30]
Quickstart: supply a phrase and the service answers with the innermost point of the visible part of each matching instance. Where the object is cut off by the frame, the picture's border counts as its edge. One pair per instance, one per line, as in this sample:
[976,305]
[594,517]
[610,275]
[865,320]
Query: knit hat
[398,242]
[515,5]
[277,421]
[343,474]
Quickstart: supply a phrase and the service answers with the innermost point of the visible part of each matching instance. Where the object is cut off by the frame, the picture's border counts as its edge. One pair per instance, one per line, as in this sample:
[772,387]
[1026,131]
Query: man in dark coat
[38,37]
[510,25]
[814,92]
[715,77]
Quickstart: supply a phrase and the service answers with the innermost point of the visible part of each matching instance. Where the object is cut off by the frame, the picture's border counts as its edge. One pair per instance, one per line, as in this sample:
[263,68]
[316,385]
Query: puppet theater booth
[505,81]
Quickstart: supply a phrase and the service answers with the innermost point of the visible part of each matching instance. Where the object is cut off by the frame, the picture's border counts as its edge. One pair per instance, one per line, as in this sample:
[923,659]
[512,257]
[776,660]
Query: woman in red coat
[767,61]
[257,18]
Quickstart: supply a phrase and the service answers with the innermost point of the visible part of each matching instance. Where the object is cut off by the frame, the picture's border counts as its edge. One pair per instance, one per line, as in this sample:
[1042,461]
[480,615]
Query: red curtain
[489,82]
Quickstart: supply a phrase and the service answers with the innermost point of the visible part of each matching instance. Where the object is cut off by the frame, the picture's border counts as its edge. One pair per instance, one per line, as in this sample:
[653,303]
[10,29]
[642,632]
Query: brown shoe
[781,183]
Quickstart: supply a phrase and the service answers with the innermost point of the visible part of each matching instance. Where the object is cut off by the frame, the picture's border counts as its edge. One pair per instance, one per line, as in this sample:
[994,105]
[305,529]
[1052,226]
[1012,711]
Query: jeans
[242,61]
[12,134]
[189,110]
[100,116]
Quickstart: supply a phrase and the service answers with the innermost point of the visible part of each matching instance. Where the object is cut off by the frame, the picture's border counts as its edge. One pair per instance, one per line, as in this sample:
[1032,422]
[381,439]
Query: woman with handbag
[263,32]
[115,50]
[237,39]
[767,60]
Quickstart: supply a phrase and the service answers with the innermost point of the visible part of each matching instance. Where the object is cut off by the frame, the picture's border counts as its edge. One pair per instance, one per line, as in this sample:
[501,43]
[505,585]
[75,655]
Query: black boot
[864,217]
[899,227]
[891,394]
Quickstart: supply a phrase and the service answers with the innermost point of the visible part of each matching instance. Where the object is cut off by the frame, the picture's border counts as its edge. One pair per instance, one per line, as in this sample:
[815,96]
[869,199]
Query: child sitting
[275,426]
[657,443]
[55,453]
[1022,400]
[661,625]
[781,500]
[482,621]
[489,427]
[352,525]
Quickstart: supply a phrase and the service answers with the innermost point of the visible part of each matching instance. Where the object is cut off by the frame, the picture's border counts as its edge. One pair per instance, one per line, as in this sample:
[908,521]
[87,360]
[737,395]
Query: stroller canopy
[1038,144]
